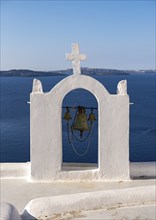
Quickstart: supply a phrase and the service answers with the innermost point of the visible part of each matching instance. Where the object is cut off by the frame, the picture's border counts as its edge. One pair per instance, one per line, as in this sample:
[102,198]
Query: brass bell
[91,116]
[80,123]
[67,115]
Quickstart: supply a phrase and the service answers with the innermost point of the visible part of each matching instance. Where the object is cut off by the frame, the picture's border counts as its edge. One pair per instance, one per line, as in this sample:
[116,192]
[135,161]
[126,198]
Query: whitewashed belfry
[46,129]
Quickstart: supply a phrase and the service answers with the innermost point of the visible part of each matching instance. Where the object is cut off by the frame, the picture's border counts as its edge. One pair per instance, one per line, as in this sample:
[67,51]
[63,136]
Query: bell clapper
[81,133]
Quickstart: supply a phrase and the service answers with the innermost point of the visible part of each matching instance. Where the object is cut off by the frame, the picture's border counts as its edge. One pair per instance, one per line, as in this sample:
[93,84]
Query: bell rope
[72,144]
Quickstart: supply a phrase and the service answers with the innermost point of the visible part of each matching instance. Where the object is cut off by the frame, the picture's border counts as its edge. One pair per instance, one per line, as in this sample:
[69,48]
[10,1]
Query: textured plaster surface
[15,170]
[46,133]
[140,212]
[143,169]
[59,205]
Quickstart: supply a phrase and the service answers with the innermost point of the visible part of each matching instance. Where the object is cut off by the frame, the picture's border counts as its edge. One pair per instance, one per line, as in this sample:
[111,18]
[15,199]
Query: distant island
[84,70]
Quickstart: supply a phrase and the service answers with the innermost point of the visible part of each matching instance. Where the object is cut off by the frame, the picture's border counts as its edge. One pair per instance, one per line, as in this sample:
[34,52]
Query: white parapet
[143,169]
[15,170]
[22,170]
[50,207]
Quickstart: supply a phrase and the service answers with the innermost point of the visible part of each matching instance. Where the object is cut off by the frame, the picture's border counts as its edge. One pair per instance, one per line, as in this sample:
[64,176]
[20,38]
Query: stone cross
[76,57]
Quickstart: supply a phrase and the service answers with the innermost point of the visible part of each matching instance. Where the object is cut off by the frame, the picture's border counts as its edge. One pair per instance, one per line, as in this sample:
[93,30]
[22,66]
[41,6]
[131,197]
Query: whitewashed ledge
[143,169]
[58,206]
[15,170]
[22,170]
[63,206]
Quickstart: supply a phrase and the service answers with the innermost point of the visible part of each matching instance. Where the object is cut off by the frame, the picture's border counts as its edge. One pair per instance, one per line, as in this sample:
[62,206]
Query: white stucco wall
[46,132]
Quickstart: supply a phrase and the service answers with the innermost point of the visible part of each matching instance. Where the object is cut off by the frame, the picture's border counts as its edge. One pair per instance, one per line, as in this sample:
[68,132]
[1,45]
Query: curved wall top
[80,81]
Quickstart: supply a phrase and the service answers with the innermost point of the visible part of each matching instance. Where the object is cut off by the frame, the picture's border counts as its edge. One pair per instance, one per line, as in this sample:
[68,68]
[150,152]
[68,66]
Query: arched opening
[79,150]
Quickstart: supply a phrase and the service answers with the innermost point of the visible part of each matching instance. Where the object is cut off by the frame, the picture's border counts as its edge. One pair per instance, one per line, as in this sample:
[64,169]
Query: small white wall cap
[122,87]
[37,86]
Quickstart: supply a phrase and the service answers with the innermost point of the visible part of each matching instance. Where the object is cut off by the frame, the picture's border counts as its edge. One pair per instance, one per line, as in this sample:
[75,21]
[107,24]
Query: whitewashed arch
[46,132]
[75,82]
[81,149]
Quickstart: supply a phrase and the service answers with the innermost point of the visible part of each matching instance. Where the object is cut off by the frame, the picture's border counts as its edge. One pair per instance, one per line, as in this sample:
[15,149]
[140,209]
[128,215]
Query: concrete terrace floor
[17,190]
[142,212]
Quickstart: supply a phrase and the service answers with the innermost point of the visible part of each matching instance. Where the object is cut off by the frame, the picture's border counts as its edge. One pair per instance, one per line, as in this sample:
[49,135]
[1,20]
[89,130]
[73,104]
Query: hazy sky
[36,34]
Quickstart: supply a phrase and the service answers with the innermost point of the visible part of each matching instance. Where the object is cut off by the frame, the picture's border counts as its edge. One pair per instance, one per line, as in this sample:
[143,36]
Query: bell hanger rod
[75,107]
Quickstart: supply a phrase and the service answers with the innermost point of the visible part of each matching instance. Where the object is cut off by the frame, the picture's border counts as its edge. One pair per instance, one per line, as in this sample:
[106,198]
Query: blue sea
[15,117]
